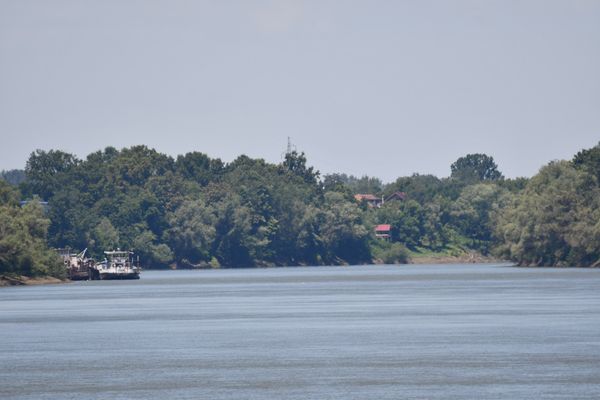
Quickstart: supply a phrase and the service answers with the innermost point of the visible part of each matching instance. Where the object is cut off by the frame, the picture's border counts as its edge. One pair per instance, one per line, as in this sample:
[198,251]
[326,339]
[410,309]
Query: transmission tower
[290,146]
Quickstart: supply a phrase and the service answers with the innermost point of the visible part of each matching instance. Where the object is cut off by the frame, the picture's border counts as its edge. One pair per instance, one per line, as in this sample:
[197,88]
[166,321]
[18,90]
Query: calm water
[376,332]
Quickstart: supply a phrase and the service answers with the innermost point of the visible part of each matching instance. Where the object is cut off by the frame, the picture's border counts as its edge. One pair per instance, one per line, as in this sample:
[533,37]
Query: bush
[391,253]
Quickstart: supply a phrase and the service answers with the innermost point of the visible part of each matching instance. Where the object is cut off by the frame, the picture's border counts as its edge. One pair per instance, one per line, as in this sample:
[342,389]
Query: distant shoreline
[471,258]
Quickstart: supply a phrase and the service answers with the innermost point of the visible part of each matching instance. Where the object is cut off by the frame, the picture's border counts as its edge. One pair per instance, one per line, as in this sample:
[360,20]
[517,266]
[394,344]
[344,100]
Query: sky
[382,88]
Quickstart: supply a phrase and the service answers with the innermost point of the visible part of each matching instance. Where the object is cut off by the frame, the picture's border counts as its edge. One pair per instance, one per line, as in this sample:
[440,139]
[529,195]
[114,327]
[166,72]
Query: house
[370,199]
[383,231]
[400,196]
[44,204]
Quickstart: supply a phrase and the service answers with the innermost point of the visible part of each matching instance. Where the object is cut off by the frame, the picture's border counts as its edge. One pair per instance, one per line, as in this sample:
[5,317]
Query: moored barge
[79,268]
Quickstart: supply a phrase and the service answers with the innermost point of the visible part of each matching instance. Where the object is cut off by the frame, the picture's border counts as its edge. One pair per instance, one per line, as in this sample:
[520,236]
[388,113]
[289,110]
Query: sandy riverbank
[467,258]
[25,280]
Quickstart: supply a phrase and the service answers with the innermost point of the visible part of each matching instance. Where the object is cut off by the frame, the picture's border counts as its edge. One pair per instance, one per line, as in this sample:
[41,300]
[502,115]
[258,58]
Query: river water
[367,332]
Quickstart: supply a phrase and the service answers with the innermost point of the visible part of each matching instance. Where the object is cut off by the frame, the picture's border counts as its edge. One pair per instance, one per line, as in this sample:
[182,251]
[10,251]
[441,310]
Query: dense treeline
[555,220]
[195,211]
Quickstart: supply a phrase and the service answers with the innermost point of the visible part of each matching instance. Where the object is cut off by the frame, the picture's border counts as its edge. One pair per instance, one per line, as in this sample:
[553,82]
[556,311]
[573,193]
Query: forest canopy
[195,211]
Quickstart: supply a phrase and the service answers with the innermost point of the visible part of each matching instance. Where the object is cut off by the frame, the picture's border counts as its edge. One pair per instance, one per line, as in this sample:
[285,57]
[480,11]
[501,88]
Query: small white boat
[118,265]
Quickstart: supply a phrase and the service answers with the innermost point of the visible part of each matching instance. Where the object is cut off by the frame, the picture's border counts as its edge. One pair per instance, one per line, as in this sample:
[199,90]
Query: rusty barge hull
[79,276]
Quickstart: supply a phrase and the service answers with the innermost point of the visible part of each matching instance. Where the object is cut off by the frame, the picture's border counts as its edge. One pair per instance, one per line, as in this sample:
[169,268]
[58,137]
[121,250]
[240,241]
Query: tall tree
[474,168]
[45,169]
[295,163]
[589,160]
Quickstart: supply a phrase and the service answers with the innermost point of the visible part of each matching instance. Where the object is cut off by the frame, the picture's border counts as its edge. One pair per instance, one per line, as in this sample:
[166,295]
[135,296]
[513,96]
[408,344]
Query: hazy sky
[383,88]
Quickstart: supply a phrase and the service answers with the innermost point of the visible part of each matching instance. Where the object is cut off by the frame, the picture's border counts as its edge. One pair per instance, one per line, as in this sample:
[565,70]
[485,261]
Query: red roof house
[383,231]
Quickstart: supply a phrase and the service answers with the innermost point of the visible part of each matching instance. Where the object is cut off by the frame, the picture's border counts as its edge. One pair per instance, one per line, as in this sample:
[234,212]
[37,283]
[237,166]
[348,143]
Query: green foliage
[105,235]
[554,221]
[23,249]
[475,168]
[295,163]
[154,255]
[192,232]
[14,176]
[342,230]
[473,213]
[421,188]
[9,195]
[335,183]
[364,184]
[425,188]
[407,220]
[390,253]
[45,169]
[199,167]
[589,161]
[513,185]
[194,211]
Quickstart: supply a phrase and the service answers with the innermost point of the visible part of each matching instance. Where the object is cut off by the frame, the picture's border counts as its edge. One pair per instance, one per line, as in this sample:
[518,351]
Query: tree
[473,213]
[154,255]
[192,232]
[554,221]
[474,168]
[234,246]
[421,188]
[9,195]
[14,176]
[589,160]
[104,236]
[44,171]
[23,249]
[365,184]
[335,183]
[135,165]
[342,231]
[295,163]
[199,167]
[407,220]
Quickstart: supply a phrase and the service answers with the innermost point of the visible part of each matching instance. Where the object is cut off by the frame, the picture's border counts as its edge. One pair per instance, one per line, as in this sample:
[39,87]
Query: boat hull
[79,276]
[119,276]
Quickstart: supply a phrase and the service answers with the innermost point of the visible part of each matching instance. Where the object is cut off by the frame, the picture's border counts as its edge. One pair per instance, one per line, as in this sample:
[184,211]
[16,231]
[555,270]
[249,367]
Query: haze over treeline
[195,211]
[384,89]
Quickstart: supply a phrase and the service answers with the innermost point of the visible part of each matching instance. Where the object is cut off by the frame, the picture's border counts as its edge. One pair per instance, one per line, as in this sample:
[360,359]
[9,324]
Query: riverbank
[471,258]
[452,256]
[21,280]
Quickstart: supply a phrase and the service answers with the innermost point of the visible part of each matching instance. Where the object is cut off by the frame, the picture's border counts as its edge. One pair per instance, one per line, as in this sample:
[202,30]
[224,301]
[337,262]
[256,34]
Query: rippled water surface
[369,332]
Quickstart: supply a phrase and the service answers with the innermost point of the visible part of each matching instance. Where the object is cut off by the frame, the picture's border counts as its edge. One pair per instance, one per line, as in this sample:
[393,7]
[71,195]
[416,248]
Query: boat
[118,264]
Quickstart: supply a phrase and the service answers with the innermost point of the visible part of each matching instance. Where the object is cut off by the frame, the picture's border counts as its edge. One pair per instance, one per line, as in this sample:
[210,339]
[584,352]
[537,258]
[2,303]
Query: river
[364,332]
